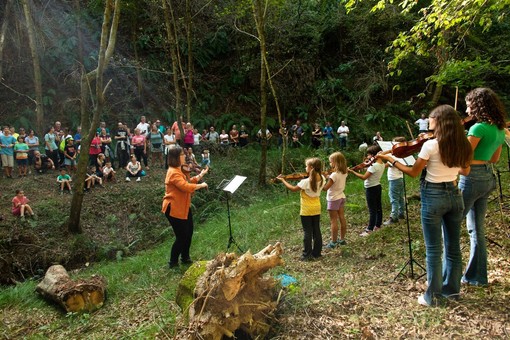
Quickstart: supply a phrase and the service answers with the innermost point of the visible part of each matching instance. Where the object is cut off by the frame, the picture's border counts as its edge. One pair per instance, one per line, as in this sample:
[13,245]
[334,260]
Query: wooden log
[83,295]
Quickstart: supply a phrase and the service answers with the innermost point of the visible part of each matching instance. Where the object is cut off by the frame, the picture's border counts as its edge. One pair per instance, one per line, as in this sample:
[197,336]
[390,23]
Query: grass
[352,292]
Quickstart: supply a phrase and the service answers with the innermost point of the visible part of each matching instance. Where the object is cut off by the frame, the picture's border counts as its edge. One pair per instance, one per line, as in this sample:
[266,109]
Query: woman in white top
[169,141]
[442,205]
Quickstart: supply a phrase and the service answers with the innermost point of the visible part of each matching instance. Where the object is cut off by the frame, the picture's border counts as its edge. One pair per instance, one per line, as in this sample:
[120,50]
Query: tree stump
[233,297]
[74,296]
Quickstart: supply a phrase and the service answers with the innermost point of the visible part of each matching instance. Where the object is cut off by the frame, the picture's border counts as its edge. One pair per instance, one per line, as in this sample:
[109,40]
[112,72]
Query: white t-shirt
[343,131]
[304,184]
[377,169]
[336,191]
[144,128]
[394,173]
[196,138]
[169,139]
[423,124]
[437,172]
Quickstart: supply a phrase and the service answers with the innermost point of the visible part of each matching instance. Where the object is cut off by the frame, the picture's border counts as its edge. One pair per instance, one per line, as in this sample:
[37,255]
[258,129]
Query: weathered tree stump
[74,296]
[233,296]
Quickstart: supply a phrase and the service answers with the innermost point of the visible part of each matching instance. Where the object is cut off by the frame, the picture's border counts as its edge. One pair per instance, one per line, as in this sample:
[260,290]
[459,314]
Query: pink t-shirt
[138,140]
[15,201]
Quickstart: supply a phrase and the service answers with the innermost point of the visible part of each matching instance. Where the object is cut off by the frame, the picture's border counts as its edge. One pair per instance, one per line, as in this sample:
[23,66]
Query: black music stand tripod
[411,261]
[229,187]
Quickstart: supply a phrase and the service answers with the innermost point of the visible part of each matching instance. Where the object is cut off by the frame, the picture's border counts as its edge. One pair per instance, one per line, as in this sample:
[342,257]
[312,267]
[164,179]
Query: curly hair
[486,106]
[454,148]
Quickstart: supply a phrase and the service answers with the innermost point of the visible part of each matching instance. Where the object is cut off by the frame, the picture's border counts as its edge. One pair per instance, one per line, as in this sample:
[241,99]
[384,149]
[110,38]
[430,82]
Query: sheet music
[387,145]
[234,184]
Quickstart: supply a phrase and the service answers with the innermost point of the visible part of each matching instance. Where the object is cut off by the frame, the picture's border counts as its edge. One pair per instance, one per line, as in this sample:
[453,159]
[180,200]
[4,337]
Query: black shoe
[187,261]
[172,265]
[305,258]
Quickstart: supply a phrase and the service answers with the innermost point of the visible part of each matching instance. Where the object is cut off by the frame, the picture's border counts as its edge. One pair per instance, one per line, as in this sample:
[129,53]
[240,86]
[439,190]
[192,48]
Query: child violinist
[310,211]
[336,198]
[373,190]
[396,189]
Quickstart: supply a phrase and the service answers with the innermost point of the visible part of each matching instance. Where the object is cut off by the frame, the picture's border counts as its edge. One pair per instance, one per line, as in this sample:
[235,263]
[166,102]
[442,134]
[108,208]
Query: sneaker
[61,192]
[23,218]
[331,245]
[305,258]
[70,192]
[187,261]
[391,220]
[128,179]
[341,242]
[377,228]
[172,265]
[365,233]
[138,179]
[421,301]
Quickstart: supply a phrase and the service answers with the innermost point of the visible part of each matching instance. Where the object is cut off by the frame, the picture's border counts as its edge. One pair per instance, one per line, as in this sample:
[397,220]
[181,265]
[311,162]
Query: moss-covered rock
[184,296]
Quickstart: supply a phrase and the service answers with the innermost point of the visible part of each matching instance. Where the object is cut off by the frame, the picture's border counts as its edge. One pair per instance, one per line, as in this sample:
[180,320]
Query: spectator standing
[234,135]
[283,134]
[70,155]
[224,137]
[143,126]
[243,136]
[161,128]
[377,138]
[21,151]
[316,136]
[189,138]
[77,137]
[94,150]
[33,144]
[122,147]
[170,142]
[212,136]
[343,133]
[176,131]
[155,138]
[328,136]
[140,144]
[423,123]
[50,145]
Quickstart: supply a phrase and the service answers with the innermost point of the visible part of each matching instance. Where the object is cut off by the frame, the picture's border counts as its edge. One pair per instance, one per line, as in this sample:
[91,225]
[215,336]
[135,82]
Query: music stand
[408,161]
[229,187]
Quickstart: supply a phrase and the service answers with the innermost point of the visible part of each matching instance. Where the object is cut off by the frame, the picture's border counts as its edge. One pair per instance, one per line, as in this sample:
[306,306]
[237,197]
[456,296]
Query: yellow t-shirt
[310,200]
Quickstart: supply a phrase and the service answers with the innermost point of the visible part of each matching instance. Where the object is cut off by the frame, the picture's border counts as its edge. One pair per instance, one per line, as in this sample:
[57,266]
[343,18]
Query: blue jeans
[476,188]
[396,193]
[442,210]
[343,142]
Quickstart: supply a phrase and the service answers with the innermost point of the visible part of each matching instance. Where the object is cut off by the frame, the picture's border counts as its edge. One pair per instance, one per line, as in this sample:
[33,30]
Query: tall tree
[172,41]
[106,48]
[189,39]
[36,65]
[259,16]
[3,33]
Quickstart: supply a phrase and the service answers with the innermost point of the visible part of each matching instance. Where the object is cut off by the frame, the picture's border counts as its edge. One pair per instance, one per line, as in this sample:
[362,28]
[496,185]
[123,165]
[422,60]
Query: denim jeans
[442,210]
[396,193]
[343,142]
[373,196]
[476,188]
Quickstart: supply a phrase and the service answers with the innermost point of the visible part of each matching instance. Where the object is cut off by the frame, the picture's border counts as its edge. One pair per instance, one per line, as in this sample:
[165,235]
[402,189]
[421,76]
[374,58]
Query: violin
[298,176]
[368,162]
[405,149]
[468,122]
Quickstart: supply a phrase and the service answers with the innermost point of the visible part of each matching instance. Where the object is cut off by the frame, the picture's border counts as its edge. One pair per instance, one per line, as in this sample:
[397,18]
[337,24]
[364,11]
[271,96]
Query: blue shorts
[68,161]
[22,162]
[336,205]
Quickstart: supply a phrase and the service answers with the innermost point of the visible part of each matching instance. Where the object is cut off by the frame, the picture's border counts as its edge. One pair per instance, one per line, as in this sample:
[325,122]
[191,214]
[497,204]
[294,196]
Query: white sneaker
[421,301]
[127,179]
[138,179]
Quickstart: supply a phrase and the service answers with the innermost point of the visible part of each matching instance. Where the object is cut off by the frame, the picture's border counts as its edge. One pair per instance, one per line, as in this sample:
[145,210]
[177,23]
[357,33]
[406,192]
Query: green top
[490,139]
[65,177]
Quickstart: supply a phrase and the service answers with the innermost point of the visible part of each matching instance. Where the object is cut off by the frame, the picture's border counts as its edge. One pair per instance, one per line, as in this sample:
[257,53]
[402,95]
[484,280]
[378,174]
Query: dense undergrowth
[354,291]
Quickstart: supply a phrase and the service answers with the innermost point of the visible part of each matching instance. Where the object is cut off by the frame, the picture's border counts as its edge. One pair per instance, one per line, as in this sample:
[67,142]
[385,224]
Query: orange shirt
[178,192]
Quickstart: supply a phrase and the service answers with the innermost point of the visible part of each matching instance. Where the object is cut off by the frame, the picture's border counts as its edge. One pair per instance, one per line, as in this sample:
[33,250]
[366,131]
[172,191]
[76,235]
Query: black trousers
[141,155]
[312,235]
[183,230]
[373,196]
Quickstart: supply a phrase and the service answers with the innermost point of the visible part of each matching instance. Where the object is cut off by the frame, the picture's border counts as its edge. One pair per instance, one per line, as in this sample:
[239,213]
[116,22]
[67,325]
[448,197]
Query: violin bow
[409,128]
[456,97]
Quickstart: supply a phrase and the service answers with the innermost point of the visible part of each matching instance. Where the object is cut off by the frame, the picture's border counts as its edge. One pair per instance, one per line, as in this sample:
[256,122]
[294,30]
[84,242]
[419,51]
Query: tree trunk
[438,90]
[36,66]
[231,295]
[3,32]
[189,35]
[74,296]
[258,14]
[106,49]
[168,15]
[139,82]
